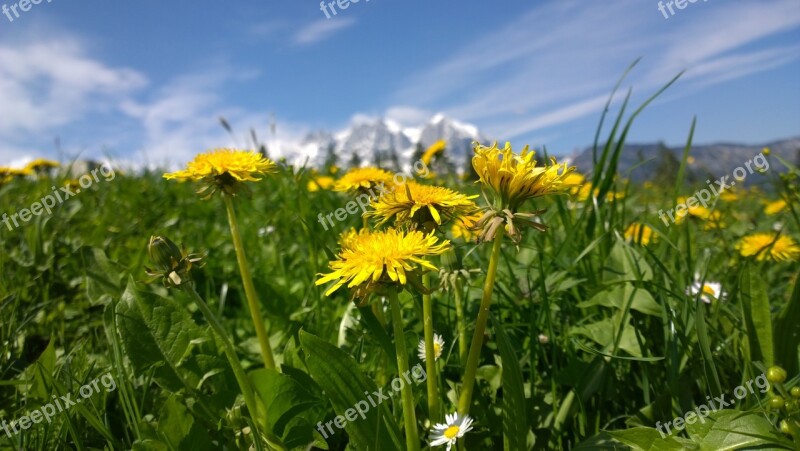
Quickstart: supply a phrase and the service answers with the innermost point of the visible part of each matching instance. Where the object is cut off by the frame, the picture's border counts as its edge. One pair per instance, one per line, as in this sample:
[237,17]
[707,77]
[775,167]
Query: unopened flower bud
[164,253]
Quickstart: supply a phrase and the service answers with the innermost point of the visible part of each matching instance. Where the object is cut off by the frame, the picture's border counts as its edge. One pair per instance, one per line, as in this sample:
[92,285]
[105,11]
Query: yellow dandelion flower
[369,259]
[714,221]
[434,149]
[769,246]
[465,227]
[515,178]
[42,164]
[224,169]
[640,234]
[692,209]
[422,207]
[363,179]
[576,181]
[773,208]
[349,236]
[321,182]
[14,172]
[7,174]
[730,195]
[584,191]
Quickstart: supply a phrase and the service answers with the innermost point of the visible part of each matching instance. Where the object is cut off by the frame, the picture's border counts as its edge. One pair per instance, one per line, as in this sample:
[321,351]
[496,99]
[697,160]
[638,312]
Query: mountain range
[385,142]
[641,162]
[382,141]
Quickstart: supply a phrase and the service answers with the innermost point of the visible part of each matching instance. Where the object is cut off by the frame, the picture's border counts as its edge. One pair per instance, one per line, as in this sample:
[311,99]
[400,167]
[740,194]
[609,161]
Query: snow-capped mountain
[382,141]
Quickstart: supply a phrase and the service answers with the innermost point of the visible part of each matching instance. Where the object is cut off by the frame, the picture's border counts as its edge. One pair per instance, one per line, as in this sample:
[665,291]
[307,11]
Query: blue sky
[145,81]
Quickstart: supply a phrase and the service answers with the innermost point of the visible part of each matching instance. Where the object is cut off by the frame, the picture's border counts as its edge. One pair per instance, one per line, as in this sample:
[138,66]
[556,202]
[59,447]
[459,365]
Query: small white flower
[438,346]
[454,428]
[709,291]
[544,339]
[264,231]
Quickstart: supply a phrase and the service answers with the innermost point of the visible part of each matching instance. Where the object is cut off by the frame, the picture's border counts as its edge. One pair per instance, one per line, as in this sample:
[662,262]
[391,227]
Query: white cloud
[52,83]
[322,29]
[408,115]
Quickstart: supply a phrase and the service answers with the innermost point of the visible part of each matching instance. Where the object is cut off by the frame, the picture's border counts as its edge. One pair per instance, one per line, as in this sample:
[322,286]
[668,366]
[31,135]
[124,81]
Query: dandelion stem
[460,322]
[249,288]
[430,353]
[409,417]
[471,370]
[230,352]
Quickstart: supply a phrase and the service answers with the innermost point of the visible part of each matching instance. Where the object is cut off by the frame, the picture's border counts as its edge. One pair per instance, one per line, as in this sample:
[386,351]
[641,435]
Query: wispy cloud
[322,29]
[556,63]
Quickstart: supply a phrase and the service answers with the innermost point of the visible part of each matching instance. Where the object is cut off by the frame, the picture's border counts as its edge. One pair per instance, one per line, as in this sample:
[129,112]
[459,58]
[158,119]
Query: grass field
[605,331]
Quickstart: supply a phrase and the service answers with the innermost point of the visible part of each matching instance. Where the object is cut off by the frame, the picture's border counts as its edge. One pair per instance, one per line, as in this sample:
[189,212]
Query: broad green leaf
[787,329]
[374,327]
[103,277]
[604,332]
[287,403]
[177,427]
[756,314]
[149,445]
[730,430]
[156,333]
[41,372]
[648,439]
[515,422]
[625,263]
[348,388]
[618,297]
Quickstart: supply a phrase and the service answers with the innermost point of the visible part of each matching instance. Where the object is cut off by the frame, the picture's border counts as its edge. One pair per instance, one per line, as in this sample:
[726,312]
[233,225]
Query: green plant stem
[461,324]
[430,354]
[249,288]
[564,410]
[471,370]
[230,352]
[409,417]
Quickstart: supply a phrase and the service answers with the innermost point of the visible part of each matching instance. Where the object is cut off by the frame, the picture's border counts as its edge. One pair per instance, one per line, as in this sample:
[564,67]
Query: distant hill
[640,162]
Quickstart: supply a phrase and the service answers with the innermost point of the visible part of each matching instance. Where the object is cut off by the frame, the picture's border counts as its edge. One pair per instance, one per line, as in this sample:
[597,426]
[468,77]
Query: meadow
[566,313]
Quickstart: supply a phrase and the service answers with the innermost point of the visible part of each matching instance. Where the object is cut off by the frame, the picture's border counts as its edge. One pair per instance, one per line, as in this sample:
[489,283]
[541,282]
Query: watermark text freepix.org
[704,196]
[23,5]
[58,405]
[680,4]
[58,196]
[719,402]
[376,398]
[342,4]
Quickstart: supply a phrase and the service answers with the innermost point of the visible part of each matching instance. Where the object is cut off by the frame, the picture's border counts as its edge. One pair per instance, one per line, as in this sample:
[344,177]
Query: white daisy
[449,432]
[709,291]
[438,346]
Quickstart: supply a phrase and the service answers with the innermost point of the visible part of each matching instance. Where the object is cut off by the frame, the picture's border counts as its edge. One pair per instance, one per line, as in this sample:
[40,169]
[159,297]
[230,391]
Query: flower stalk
[471,369]
[430,353]
[230,352]
[461,324]
[249,288]
[409,416]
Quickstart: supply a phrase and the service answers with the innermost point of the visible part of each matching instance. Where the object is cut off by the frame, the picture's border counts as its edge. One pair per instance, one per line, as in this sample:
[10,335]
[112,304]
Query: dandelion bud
[164,253]
[173,264]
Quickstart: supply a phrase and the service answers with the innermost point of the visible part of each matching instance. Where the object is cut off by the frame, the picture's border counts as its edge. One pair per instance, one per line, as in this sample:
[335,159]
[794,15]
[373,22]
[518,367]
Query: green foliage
[594,339]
